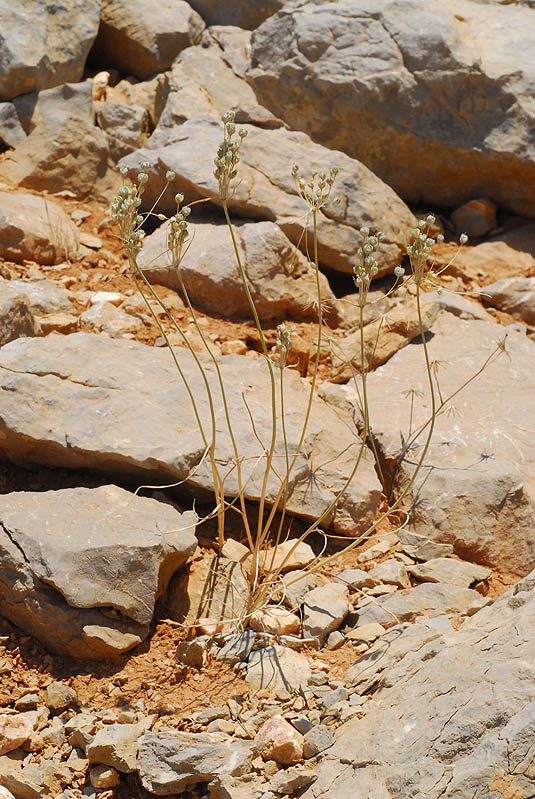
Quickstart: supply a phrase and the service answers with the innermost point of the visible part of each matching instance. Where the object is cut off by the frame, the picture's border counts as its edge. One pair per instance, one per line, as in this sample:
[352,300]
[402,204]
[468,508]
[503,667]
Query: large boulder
[44,44]
[476,490]
[247,15]
[265,188]
[281,281]
[139,38]
[64,150]
[393,84]
[33,228]
[81,569]
[451,715]
[77,401]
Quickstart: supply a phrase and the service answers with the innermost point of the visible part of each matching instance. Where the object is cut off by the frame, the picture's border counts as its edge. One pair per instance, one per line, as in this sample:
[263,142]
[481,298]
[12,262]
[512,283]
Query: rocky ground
[402,669]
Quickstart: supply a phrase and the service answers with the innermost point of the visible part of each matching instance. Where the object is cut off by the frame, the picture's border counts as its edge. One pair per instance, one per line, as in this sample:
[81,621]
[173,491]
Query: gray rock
[356,578]
[384,83]
[64,150]
[126,127]
[317,740]
[281,281]
[421,548]
[515,295]
[324,610]
[333,698]
[459,305]
[237,648]
[35,229]
[393,572]
[64,374]
[43,295]
[454,713]
[448,570]
[481,458]
[80,730]
[44,45]
[169,762]
[235,12]
[274,198]
[16,317]
[427,599]
[60,696]
[140,39]
[106,318]
[116,745]
[66,554]
[278,669]
[290,781]
[297,584]
[11,131]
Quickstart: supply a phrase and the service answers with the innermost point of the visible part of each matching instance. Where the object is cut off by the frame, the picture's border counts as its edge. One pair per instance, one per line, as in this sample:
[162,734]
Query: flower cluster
[284,342]
[178,230]
[316,191]
[420,247]
[124,210]
[366,268]
[227,157]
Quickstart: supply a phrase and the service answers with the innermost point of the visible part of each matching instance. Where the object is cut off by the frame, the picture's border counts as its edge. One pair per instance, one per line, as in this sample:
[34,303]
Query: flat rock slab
[265,188]
[456,716]
[35,229]
[77,401]
[477,488]
[81,568]
[278,669]
[169,761]
[449,570]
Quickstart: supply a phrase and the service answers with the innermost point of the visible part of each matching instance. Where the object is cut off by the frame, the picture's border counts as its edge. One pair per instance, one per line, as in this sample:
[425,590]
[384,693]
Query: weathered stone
[475,217]
[480,462]
[511,256]
[60,696]
[515,295]
[324,610]
[80,730]
[150,94]
[237,648]
[192,653]
[278,669]
[287,556]
[244,15]
[366,633]
[269,153]
[44,296]
[448,570]
[280,741]
[14,730]
[65,373]
[356,578]
[382,339]
[280,279]
[375,550]
[392,571]
[58,323]
[317,740]
[458,305]
[139,39]
[103,777]
[169,761]
[294,585]
[126,126]
[65,554]
[275,621]
[44,45]
[116,745]
[385,85]
[449,716]
[421,548]
[35,229]
[16,317]
[106,318]
[11,131]
[64,150]
[427,599]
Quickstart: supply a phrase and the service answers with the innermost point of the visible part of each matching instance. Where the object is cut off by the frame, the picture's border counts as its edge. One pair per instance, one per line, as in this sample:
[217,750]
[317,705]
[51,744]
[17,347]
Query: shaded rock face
[35,229]
[113,381]
[456,716]
[515,295]
[44,44]
[140,38]
[393,84]
[16,317]
[281,281]
[81,569]
[247,15]
[266,189]
[476,490]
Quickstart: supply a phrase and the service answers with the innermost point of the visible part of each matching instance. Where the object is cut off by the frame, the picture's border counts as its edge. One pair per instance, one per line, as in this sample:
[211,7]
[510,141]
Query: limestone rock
[266,189]
[392,571]
[116,745]
[448,570]
[43,295]
[64,374]
[391,85]
[281,742]
[65,554]
[275,621]
[475,217]
[126,127]
[64,150]
[106,318]
[281,281]
[103,777]
[480,461]
[60,696]
[140,39]
[35,229]
[44,45]
[279,670]
[11,131]
[14,730]
[459,305]
[16,317]
[317,740]
[244,15]
[324,610]
[515,295]
[169,761]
